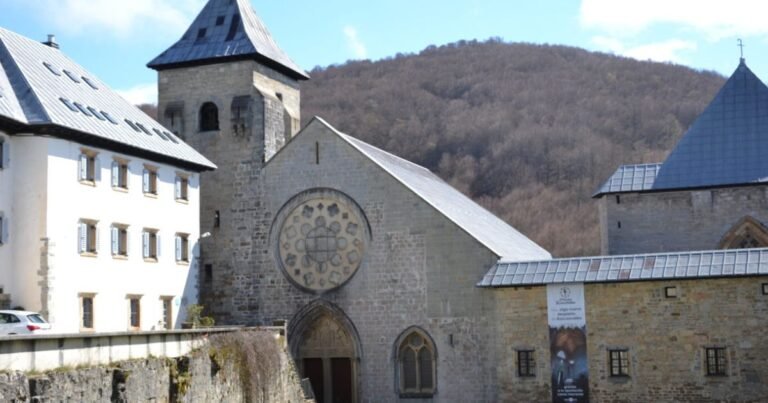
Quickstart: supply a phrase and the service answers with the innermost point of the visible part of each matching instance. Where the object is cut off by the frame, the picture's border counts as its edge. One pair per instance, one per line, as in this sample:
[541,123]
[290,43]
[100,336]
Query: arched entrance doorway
[327,351]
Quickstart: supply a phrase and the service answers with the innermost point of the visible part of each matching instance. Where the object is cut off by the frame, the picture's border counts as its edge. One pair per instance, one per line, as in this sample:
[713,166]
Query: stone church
[396,287]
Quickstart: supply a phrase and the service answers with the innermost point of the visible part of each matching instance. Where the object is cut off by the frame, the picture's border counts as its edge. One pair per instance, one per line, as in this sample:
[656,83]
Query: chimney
[52,41]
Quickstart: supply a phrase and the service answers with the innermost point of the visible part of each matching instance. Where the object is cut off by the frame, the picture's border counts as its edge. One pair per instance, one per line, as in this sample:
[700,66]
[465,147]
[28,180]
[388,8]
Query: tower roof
[728,142]
[227,30]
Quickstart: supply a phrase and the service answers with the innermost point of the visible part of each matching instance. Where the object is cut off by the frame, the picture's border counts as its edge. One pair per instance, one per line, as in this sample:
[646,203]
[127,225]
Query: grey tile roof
[226,29]
[486,228]
[631,178]
[65,95]
[601,269]
[727,143]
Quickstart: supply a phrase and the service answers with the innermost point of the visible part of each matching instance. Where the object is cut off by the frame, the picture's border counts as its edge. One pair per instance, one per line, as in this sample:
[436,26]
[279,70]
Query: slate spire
[227,30]
[728,142]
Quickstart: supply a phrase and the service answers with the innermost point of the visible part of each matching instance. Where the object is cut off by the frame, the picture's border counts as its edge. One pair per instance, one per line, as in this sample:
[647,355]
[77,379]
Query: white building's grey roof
[227,29]
[602,269]
[631,178]
[725,146]
[49,93]
[484,226]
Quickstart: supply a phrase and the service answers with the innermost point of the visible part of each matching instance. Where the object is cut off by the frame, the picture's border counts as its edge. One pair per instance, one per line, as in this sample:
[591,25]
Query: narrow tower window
[209,117]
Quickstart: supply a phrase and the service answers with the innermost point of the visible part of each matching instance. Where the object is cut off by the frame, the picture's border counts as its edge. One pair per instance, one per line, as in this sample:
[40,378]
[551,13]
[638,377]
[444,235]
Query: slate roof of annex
[226,29]
[623,268]
[42,89]
[725,146]
[481,224]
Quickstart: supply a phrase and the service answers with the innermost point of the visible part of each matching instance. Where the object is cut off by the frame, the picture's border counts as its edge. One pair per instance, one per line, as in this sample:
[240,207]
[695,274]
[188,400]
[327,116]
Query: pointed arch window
[416,369]
[209,117]
[747,233]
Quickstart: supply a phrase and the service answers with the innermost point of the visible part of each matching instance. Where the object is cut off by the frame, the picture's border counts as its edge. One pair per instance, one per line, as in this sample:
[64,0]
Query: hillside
[528,131]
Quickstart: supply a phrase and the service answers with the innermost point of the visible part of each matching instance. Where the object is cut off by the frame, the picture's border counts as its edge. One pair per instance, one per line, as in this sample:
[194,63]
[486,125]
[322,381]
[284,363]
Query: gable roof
[727,143]
[626,268]
[43,91]
[226,30]
[479,223]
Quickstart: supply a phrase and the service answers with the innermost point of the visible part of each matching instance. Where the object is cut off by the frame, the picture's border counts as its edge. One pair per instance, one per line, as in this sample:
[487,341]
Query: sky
[115,39]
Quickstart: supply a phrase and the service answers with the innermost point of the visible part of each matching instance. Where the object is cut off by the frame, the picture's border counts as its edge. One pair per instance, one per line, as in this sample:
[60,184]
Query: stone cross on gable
[741,48]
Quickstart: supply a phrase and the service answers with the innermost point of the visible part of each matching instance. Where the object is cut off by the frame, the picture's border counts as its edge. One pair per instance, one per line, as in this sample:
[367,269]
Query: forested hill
[528,131]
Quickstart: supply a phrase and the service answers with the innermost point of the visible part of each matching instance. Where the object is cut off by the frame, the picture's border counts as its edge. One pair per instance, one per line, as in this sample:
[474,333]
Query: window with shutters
[149,181]
[150,241]
[134,312]
[166,304]
[209,117]
[86,311]
[88,237]
[119,240]
[182,248]
[88,167]
[416,365]
[120,174]
[174,117]
[182,187]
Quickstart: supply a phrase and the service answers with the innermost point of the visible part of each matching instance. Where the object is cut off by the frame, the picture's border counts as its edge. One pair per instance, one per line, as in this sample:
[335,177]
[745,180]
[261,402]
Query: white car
[22,322]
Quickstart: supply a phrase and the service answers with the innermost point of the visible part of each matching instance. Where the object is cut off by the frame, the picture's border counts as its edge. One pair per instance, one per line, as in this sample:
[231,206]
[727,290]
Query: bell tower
[230,92]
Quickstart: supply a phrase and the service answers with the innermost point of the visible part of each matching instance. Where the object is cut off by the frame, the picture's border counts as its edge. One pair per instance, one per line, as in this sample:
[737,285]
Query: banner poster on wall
[568,343]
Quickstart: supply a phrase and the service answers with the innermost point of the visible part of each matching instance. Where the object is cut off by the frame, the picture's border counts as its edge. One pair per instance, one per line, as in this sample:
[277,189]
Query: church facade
[381,269]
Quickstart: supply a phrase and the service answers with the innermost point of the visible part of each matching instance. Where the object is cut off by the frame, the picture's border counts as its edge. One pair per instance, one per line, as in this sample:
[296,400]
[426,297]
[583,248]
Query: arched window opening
[416,365]
[747,233]
[209,117]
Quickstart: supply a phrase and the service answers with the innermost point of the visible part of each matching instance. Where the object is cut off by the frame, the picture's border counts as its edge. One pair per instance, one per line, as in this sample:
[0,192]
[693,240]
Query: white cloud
[140,94]
[665,51]
[715,19]
[119,18]
[355,44]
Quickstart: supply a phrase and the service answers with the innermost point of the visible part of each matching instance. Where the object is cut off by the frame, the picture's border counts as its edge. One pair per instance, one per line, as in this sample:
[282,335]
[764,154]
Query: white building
[99,204]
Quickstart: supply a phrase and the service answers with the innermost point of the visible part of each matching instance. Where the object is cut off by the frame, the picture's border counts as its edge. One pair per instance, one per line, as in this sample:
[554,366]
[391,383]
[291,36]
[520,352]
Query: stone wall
[205,375]
[676,221]
[666,339]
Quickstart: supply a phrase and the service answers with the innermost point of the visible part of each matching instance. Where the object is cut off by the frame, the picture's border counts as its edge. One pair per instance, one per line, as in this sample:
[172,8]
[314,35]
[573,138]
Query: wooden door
[341,376]
[313,369]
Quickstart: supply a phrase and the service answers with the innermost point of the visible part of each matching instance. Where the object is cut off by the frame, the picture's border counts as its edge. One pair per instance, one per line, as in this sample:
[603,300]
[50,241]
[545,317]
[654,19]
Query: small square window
[765,288]
[618,362]
[670,292]
[88,237]
[220,20]
[182,188]
[120,174]
[86,312]
[201,33]
[150,242]
[716,361]
[134,312]
[182,248]
[526,363]
[88,167]
[119,240]
[149,181]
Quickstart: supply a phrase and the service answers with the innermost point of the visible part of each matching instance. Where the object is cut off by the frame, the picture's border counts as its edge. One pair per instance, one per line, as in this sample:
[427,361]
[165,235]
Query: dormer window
[209,117]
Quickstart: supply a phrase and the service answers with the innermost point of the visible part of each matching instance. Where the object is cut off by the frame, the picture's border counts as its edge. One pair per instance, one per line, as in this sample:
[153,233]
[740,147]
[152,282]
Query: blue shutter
[96,168]
[115,174]
[83,168]
[82,236]
[178,248]
[115,240]
[178,188]
[145,181]
[145,243]
[158,243]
